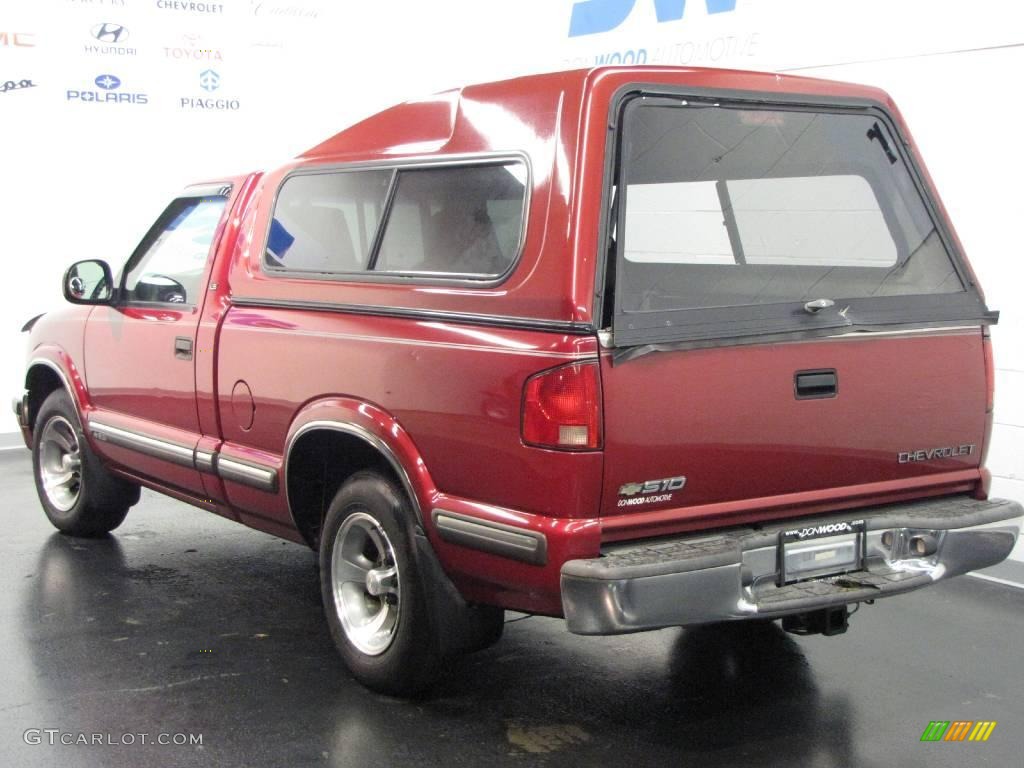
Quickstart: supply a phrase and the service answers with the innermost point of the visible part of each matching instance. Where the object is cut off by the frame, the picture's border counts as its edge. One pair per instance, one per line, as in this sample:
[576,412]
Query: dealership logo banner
[110,33]
[109,93]
[209,80]
[15,85]
[110,40]
[184,7]
[193,48]
[17,40]
[287,9]
[592,16]
[958,730]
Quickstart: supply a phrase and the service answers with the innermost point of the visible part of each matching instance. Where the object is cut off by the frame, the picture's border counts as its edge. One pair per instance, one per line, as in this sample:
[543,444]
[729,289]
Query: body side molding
[175,453]
[491,537]
[263,478]
[258,477]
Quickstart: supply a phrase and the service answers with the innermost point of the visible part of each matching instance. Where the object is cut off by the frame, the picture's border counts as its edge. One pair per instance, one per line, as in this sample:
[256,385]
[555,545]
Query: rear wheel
[78,494]
[374,595]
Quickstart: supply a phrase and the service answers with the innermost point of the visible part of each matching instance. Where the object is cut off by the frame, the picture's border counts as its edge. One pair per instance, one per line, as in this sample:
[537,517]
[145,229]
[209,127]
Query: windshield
[727,207]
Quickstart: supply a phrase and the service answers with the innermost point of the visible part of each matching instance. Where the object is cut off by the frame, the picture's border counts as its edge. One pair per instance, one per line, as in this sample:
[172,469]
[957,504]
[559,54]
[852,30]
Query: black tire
[94,501]
[411,657]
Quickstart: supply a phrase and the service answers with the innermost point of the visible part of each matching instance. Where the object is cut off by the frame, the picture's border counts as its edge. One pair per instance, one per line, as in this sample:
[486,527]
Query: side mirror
[89,282]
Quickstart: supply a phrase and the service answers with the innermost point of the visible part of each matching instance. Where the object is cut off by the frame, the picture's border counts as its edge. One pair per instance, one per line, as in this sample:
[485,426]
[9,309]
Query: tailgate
[793,328]
[905,410]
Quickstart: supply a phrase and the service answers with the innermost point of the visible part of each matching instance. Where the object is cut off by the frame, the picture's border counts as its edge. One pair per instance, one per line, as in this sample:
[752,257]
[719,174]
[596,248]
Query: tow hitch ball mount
[827,621]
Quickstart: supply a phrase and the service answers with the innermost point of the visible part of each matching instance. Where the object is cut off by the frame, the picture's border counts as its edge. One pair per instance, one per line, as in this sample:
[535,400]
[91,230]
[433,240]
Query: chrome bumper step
[736,574]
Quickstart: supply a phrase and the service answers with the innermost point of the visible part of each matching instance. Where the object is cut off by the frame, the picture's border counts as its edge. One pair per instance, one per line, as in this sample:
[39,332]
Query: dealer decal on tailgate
[642,491]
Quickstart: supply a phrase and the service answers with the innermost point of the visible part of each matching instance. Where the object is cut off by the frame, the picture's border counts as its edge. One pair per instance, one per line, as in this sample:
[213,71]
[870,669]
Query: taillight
[562,408]
[990,373]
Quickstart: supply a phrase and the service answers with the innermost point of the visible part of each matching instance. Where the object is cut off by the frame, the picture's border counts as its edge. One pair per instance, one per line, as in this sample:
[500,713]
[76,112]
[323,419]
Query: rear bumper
[734,574]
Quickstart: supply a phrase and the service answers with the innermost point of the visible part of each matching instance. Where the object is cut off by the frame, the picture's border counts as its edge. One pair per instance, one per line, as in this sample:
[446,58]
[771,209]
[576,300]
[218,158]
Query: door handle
[816,385]
[183,347]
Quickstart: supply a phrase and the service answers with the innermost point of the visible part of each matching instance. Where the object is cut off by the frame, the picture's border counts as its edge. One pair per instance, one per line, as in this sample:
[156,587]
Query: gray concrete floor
[185,623]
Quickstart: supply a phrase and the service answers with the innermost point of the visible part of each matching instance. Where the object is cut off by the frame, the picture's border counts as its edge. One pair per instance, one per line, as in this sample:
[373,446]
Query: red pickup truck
[640,347]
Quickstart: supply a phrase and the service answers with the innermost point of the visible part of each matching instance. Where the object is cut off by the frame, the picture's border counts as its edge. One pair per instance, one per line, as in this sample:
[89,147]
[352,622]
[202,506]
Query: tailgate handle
[813,385]
[183,347]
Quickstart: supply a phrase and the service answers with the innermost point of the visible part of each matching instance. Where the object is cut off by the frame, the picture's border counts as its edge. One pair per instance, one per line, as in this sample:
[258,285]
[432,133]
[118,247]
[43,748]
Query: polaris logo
[950,452]
[828,529]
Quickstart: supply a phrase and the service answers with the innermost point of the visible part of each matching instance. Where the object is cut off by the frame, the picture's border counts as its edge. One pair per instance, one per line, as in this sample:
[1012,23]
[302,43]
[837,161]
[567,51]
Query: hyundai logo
[110,33]
[108,82]
[209,80]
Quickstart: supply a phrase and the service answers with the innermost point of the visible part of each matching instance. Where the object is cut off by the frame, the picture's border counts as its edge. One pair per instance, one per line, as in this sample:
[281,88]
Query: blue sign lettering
[592,16]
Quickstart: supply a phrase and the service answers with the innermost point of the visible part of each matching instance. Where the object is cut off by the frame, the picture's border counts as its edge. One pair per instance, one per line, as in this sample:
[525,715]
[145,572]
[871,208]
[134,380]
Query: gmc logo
[17,39]
[592,16]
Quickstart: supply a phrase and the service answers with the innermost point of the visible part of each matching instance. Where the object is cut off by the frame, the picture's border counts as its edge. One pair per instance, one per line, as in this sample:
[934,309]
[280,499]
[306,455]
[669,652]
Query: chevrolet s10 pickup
[638,347]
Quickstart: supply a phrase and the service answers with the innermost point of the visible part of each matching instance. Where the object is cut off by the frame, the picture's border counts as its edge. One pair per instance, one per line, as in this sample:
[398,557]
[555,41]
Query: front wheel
[78,494]
[374,595]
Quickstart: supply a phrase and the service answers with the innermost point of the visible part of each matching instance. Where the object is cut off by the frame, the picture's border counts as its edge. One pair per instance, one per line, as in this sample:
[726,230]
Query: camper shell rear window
[732,219]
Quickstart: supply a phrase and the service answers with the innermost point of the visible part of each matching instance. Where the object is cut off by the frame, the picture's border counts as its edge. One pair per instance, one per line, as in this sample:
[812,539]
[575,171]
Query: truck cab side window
[325,222]
[463,222]
[175,252]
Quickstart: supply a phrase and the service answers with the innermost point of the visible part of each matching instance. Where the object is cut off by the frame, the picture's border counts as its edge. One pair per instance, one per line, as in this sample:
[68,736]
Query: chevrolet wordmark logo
[958,730]
[945,452]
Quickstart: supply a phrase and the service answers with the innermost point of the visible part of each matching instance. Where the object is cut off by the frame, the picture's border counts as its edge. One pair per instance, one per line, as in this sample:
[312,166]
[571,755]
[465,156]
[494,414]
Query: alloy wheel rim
[365,584]
[60,463]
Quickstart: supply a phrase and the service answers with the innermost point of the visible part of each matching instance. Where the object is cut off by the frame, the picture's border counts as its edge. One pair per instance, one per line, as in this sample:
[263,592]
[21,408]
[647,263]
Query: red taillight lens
[990,374]
[562,408]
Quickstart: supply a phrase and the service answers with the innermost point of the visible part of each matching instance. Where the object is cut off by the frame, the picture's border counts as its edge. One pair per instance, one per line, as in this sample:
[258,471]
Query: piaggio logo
[592,16]
[958,730]
[209,80]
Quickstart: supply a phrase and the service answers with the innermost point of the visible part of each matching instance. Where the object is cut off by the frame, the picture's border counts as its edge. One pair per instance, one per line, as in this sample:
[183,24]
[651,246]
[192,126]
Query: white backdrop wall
[84,179]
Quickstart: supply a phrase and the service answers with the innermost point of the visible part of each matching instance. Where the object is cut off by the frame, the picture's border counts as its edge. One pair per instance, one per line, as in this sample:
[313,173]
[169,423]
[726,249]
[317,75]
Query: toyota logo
[110,33]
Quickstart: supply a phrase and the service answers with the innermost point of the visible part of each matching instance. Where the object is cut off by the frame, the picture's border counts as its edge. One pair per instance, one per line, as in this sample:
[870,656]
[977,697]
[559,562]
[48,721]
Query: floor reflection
[749,683]
[71,573]
[114,633]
